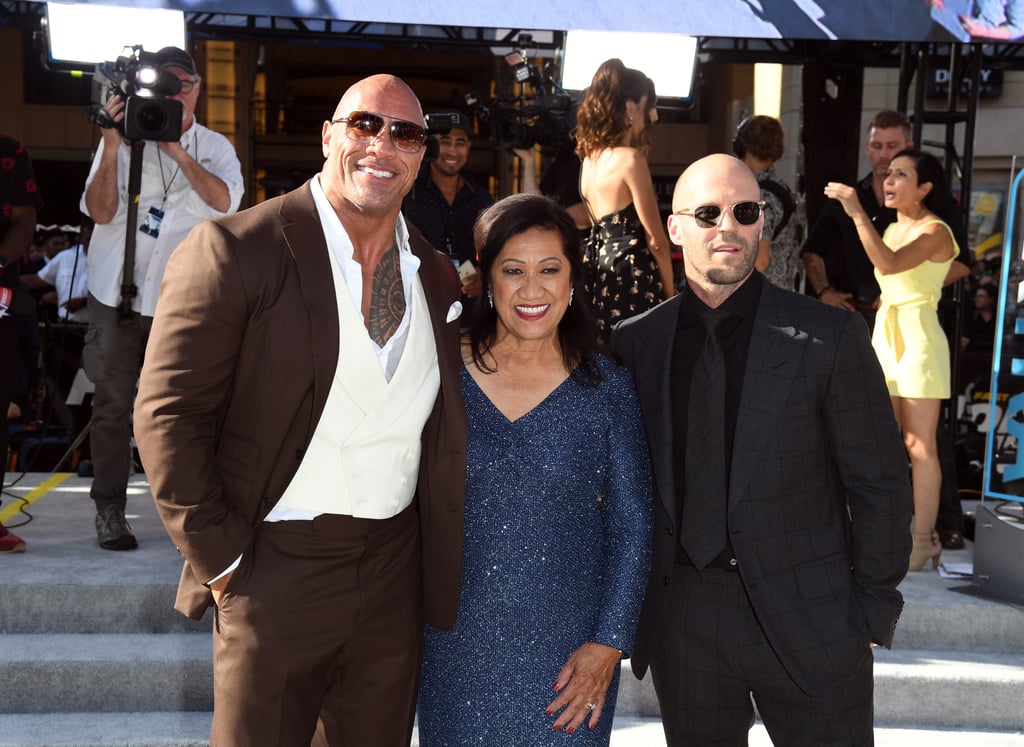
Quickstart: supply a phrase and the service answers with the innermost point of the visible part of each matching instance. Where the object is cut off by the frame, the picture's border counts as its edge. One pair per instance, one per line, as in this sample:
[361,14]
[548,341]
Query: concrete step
[140,729]
[192,730]
[58,673]
[74,606]
[913,688]
[169,672]
[65,583]
[950,689]
[945,614]
[90,632]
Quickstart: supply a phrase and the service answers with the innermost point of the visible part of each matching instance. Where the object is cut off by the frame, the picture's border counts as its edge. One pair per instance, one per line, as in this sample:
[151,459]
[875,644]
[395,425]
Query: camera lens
[152,119]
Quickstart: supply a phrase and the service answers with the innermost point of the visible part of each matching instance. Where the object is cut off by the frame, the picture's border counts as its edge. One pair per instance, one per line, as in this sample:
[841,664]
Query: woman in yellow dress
[911,261]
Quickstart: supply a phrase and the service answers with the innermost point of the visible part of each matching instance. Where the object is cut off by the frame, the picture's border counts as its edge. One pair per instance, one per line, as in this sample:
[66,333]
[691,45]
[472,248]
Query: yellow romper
[908,339]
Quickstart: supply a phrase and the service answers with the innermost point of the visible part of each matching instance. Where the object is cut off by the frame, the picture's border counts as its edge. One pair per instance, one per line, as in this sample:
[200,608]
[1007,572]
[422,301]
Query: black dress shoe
[951,539]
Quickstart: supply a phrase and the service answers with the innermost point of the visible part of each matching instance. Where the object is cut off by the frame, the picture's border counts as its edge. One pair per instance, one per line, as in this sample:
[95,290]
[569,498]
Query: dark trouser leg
[697,669]
[112,357]
[840,715]
[716,656]
[321,616]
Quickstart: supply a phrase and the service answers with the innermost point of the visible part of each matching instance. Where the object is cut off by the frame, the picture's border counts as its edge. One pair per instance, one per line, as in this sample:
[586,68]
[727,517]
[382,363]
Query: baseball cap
[445,122]
[175,57]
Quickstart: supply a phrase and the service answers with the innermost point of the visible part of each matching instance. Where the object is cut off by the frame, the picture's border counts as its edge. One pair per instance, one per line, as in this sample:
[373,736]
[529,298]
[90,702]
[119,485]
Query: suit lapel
[653,374]
[440,288]
[305,239]
[772,364]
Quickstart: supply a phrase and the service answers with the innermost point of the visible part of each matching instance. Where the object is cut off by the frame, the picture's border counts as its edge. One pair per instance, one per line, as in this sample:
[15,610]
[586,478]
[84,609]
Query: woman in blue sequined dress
[558,505]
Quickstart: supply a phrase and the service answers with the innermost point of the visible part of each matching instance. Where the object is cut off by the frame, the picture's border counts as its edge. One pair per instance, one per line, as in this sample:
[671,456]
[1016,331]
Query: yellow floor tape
[12,508]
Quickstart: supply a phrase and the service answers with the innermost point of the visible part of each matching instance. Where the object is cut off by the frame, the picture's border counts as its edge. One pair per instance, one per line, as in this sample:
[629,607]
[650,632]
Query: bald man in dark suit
[776,556]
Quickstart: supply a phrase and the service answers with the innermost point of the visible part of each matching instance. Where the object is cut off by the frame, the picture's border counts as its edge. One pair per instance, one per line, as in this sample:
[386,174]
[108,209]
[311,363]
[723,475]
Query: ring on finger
[591,706]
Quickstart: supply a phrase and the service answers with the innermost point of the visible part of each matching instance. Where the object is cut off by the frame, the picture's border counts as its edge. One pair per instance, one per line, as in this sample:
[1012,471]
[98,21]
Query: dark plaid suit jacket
[819,501]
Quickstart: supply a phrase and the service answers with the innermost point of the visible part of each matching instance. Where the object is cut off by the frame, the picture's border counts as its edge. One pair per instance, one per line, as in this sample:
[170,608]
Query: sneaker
[112,530]
[10,542]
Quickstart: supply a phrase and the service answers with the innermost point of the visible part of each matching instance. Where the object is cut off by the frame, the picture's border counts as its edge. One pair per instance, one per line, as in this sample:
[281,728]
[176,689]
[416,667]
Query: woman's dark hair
[652,101]
[504,220]
[929,169]
[762,136]
[601,115]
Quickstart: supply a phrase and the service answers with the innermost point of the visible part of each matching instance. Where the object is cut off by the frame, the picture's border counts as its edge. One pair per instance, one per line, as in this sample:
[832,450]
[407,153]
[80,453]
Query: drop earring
[490,299]
[571,291]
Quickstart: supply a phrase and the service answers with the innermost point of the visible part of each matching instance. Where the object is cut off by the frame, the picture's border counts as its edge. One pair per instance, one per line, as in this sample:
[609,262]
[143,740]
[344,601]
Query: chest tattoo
[387,299]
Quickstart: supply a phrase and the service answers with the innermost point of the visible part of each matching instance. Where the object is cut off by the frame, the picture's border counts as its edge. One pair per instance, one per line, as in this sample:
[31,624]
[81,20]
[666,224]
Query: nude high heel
[925,546]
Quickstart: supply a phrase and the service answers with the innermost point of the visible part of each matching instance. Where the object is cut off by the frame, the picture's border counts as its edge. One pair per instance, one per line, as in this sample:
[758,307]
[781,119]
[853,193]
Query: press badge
[151,223]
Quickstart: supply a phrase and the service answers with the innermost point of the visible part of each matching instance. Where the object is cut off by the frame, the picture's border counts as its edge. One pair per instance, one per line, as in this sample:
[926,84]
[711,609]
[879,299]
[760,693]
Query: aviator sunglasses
[365,127]
[746,213]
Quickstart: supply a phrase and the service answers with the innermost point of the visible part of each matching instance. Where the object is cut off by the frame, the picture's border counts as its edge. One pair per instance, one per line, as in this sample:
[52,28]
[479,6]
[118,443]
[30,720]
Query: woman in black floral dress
[628,261]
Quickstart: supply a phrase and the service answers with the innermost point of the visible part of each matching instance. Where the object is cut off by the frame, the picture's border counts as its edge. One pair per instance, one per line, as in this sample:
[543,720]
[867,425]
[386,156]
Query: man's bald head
[366,177]
[718,258]
[692,185]
[382,87]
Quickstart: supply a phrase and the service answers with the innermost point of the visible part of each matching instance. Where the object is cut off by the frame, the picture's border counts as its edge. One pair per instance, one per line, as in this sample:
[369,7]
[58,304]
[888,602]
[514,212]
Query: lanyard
[159,158]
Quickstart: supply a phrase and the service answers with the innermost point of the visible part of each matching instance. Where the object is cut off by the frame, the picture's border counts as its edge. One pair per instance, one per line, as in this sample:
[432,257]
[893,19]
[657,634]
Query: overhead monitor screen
[893,20]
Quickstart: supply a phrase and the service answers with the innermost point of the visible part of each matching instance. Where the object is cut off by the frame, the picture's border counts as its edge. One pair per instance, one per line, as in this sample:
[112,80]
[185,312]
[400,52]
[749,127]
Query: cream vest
[364,456]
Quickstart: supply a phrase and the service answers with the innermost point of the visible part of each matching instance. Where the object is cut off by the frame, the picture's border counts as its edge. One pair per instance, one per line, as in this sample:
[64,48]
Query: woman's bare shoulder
[626,155]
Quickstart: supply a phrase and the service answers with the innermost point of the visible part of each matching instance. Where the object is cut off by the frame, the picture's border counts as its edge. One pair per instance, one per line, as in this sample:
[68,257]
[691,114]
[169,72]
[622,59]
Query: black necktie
[703,528]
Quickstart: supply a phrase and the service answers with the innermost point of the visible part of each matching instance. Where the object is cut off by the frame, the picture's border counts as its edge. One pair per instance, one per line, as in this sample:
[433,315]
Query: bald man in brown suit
[301,425]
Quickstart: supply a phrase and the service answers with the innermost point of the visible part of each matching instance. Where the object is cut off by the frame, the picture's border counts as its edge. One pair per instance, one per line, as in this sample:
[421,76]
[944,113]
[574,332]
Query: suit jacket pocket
[828,579]
[236,462]
[235,452]
[830,576]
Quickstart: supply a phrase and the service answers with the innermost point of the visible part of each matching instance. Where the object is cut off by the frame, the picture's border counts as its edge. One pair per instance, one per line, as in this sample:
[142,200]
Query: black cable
[21,511]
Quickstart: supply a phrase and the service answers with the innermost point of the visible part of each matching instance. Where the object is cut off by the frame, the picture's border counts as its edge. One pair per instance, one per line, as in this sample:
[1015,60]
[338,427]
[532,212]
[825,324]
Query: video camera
[148,114]
[441,123]
[545,118]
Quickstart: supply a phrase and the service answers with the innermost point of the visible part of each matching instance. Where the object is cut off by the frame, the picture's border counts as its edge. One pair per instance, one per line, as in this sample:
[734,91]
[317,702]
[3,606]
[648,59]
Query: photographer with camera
[184,180]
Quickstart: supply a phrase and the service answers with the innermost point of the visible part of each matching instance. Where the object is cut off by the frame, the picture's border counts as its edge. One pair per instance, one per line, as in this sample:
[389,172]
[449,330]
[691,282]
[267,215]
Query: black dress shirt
[687,346]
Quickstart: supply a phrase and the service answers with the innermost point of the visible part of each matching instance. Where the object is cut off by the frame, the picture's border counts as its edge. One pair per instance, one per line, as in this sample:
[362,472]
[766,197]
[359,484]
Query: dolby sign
[991,84]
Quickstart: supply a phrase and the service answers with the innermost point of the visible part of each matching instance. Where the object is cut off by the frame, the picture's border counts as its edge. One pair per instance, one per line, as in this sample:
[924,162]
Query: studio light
[82,35]
[668,59]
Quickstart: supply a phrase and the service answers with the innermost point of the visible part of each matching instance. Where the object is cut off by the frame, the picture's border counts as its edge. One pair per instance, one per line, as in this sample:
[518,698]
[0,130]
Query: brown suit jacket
[241,356]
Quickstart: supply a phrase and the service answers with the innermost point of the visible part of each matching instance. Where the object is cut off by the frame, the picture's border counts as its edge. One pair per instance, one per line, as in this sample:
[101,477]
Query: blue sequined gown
[557,552]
